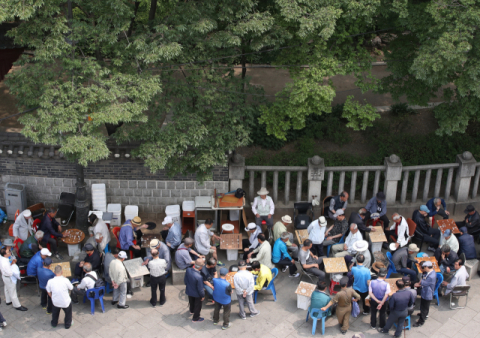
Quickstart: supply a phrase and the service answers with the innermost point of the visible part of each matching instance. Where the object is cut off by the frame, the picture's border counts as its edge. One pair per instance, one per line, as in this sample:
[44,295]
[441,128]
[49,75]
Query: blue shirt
[44,275]
[280,251]
[428,285]
[361,275]
[125,236]
[373,207]
[35,263]
[433,208]
[222,291]
[174,236]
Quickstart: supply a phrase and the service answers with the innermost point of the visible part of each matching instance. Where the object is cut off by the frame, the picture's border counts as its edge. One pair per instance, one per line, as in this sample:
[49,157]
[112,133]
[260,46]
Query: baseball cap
[122,255]
[47,261]
[223,271]
[45,252]
[167,220]
[428,264]
[424,208]
[88,247]
[250,227]
[339,212]
[447,233]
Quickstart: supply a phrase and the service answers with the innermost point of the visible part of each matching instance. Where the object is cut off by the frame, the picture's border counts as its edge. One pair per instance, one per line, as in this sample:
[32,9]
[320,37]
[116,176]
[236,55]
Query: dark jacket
[474,224]
[194,283]
[355,218]
[467,244]
[449,260]
[401,300]
[48,226]
[422,225]
[94,259]
[433,208]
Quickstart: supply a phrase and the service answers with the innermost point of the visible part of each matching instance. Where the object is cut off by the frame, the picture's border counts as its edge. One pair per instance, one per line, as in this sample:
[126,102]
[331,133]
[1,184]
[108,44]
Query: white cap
[45,252]
[250,227]
[322,221]
[167,220]
[27,213]
[122,254]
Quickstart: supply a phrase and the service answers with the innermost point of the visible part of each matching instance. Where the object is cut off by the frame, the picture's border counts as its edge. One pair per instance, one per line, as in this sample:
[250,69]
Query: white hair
[39,234]
[396,216]
[354,226]
[98,235]
[437,200]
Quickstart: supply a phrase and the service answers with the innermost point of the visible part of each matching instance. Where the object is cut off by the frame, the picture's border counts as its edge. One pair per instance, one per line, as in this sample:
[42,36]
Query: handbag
[239,193]
[355,309]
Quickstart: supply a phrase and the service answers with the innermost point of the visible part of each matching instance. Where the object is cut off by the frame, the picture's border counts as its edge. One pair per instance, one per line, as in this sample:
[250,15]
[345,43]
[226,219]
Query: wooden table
[66,270]
[146,238]
[377,238]
[73,239]
[229,278]
[431,259]
[335,265]
[304,293]
[393,285]
[301,235]
[232,243]
[444,224]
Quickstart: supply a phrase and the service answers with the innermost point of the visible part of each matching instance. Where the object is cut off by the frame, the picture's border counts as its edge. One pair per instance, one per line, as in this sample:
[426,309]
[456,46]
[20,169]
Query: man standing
[263,208]
[280,255]
[163,252]
[361,276]
[378,291]
[378,205]
[402,262]
[399,230]
[109,258]
[203,237]
[343,299]
[44,274]
[10,287]
[281,227]
[50,226]
[472,221]
[264,275]
[185,256]
[263,253]
[22,228]
[399,304]
[316,233]
[171,233]
[130,230]
[338,229]
[309,261]
[158,277]
[222,295]
[459,279]
[92,257]
[58,290]
[451,240]
[88,282]
[437,206]
[118,275]
[194,290]
[429,279]
[466,244]
[343,249]
[100,227]
[244,285]
[337,203]
[430,235]
[30,247]
[249,244]
[37,261]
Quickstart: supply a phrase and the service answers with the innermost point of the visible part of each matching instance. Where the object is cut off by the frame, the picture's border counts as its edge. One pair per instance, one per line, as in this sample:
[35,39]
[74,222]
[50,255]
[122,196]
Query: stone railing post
[465,172]
[236,171]
[393,174]
[316,173]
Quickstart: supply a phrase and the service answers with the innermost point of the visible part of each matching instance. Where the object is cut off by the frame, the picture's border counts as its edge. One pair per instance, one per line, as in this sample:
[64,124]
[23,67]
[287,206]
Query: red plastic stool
[332,286]
[374,222]
[433,220]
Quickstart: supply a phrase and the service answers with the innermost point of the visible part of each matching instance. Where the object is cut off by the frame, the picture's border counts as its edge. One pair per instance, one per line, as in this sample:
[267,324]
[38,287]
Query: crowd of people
[364,283]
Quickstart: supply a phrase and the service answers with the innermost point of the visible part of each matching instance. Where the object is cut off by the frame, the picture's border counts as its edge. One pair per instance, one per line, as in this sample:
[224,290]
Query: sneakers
[70,325]
[243,317]
[48,313]
[219,263]
[431,248]
[254,314]
[199,320]
[417,324]
[44,307]
[58,256]
[285,269]
[373,328]
[75,281]
[129,296]
[215,323]
[380,330]
[3,324]
[366,313]
[294,275]
[226,327]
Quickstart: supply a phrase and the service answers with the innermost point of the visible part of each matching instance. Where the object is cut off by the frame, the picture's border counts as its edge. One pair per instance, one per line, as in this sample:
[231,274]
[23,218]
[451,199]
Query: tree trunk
[153,10]
[82,202]
[130,29]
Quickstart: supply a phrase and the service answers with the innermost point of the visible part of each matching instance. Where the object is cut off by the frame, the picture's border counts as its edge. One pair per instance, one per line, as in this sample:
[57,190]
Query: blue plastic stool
[107,248]
[405,326]
[98,294]
[270,286]
[108,288]
[437,286]
[319,315]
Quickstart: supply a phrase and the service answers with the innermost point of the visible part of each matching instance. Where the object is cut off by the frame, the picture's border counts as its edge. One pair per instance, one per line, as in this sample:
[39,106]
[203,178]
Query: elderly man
[320,297]
[399,303]
[244,287]
[466,244]
[99,226]
[263,253]
[338,229]
[44,274]
[50,226]
[30,247]
[446,258]
[249,244]
[378,291]
[203,238]
[163,252]
[118,275]
[399,230]
[263,208]
[310,262]
[429,279]
[359,220]
[92,257]
[316,233]
[195,290]
[158,278]
[337,203]
[280,255]
[22,228]
[37,261]
[222,296]
[88,282]
[472,221]
[430,235]
[361,247]
[341,250]
[459,278]
[10,287]
[109,258]
[438,206]
[450,239]
[264,275]
[58,290]
[361,276]
[185,256]
[377,205]
[171,233]
[130,230]
[402,262]
[281,227]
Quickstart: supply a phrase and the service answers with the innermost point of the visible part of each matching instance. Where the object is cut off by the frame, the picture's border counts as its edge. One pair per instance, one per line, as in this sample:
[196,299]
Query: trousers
[433,237]
[382,313]
[424,310]
[160,283]
[227,309]
[317,249]
[396,317]
[364,295]
[258,221]
[77,292]
[53,244]
[249,301]
[68,315]
[10,289]
[291,266]
[410,272]
[45,300]
[120,294]
[343,316]
[195,304]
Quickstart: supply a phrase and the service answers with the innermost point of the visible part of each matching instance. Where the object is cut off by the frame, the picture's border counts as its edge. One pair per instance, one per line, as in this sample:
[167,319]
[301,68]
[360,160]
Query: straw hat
[137,221]
[413,248]
[263,191]
[286,219]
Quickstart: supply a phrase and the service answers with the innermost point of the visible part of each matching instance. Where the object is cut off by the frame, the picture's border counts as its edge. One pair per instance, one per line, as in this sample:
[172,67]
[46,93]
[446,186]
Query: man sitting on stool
[429,234]
[92,257]
[130,231]
[264,275]
[338,202]
[263,208]
[249,244]
[377,205]
[309,261]
[88,282]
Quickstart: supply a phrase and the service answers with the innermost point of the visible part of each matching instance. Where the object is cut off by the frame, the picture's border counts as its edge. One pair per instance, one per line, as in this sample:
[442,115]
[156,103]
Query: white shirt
[5,267]
[87,282]
[253,238]
[22,228]
[101,227]
[459,279]
[452,242]
[243,281]
[15,273]
[202,239]
[158,267]
[264,203]
[316,233]
[403,230]
[352,238]
[59,287]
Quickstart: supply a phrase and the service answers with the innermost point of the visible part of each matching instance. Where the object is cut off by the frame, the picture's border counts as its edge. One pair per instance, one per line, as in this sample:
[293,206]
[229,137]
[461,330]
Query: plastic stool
[332,286]
[405,326]
[108,288]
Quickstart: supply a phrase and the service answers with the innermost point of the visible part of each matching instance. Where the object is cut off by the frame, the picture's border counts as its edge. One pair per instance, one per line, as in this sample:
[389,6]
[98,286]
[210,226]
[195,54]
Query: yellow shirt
[264,275]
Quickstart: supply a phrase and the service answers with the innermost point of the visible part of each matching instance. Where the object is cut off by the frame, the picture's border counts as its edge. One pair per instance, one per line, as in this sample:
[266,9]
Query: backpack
[98,282]
[239,193]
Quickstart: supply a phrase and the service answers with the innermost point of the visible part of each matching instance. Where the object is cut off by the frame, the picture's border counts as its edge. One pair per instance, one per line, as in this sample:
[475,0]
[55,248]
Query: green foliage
[401,110]
[359,116]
